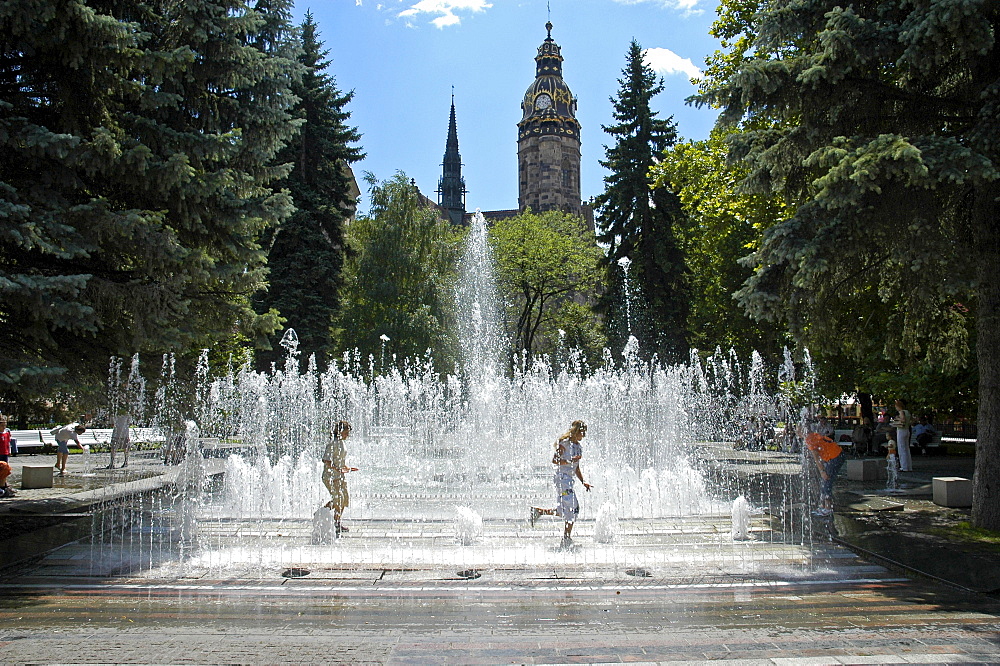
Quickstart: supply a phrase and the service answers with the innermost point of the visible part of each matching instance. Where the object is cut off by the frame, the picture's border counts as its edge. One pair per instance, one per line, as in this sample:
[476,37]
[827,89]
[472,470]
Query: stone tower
[548,139]
[451,186]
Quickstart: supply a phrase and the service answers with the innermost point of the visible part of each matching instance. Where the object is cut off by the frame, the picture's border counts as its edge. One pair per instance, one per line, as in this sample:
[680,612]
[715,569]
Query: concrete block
[952,491]
[862,469]
[882,469]
[36,476]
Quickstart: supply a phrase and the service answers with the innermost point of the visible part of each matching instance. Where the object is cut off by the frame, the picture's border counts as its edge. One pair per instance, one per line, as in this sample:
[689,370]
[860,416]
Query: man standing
[63,435]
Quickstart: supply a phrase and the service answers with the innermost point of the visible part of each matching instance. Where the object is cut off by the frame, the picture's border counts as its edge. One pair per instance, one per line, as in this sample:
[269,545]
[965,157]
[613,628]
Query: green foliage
[879,120]
[862,153]
[575,326]
[138,173]
[306,255]
[544,262]
[967,535]
[400,278]
[641,225]
[723,226]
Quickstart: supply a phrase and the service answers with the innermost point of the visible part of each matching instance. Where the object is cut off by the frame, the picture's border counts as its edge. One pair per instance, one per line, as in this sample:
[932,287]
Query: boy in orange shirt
[829,458]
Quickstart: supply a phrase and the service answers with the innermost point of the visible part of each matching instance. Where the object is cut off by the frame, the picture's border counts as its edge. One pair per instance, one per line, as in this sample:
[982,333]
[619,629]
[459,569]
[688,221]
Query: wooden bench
[147,435]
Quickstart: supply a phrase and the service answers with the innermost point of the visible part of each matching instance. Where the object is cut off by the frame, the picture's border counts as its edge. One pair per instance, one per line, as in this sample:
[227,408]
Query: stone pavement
[704,599]
[884,620]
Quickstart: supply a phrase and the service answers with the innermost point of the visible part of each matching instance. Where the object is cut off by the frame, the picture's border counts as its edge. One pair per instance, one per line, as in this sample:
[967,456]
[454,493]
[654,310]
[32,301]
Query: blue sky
[402,57]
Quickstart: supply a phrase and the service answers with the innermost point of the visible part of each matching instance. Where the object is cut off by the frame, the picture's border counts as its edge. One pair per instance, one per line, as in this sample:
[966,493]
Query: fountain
[741,519]
[448,465]
[892,469]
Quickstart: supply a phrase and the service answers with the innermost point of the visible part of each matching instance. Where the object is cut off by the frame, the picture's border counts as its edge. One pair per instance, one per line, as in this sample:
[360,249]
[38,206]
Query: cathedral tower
[548,138]
[451,186]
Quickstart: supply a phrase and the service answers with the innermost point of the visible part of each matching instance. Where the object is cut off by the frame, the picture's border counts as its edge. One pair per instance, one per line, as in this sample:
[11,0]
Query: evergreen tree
[888,114]
[138,144]
[306,256]
[639,224]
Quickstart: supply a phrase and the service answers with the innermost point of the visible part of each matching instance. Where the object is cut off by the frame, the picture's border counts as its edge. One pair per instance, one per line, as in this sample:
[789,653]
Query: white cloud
[686,7]
[443,11]
[665,62]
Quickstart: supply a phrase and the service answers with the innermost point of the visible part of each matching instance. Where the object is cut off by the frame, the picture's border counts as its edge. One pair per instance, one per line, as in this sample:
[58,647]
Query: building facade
[548,148]
[548,138]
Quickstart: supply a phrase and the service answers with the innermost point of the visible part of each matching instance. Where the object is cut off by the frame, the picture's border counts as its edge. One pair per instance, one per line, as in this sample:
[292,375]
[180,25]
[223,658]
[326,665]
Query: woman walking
[567,461]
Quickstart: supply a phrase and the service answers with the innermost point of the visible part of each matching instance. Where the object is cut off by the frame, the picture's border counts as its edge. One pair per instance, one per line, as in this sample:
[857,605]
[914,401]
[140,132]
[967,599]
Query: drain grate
[294,573]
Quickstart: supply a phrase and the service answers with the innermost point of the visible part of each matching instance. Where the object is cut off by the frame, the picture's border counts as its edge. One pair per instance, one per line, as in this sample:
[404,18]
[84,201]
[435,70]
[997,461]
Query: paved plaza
[673,589]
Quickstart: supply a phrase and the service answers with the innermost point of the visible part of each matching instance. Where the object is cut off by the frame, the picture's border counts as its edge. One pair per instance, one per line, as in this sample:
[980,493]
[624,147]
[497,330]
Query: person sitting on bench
[923,434]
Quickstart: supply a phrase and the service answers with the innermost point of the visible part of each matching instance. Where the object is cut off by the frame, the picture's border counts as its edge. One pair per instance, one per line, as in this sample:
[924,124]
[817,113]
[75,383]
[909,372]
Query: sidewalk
[908,531]
[40,519]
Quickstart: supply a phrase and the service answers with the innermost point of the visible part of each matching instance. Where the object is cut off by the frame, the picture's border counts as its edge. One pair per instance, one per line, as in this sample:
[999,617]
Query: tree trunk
[867,409]
[986,483]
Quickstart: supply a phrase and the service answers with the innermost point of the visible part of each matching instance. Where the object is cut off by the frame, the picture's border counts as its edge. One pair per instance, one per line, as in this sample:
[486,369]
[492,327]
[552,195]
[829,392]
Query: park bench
[843,437]
[28,441]
[147,435]
[935,446]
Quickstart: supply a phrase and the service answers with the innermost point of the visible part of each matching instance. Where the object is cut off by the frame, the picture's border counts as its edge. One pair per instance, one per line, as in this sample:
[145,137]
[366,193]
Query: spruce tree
[306,255]
[639,224]
[879,122]
[139,144]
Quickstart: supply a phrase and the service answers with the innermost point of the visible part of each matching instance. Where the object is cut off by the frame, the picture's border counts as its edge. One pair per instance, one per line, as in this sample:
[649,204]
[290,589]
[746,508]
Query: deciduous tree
[722,226]
[400,278]
[544,261]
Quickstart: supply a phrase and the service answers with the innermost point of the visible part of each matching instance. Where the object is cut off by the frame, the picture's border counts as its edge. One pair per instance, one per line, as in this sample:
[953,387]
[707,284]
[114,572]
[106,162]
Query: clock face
[543,102]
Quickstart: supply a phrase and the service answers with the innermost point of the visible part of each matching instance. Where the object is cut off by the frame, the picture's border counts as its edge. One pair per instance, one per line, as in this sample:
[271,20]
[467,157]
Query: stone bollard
[882,469]
[36,476]
[952,491]
[865,469]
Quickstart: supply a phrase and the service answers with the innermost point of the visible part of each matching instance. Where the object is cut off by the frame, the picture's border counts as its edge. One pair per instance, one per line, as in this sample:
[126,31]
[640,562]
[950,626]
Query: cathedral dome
[548,100]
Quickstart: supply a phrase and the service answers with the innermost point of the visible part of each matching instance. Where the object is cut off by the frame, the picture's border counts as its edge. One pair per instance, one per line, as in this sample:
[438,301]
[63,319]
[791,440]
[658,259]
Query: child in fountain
[567,461]
[334,473]
[829,458]
[892,463]
[63,435]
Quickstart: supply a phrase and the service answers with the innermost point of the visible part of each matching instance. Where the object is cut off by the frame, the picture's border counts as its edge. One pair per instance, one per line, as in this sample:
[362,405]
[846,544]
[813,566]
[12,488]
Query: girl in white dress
[567,461]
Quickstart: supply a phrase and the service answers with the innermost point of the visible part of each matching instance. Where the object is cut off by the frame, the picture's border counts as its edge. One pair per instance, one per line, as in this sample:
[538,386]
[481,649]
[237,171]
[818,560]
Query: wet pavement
[704,599]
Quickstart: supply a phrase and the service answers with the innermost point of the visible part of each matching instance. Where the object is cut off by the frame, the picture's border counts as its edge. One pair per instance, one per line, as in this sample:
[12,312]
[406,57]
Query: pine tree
[879,121]
[639,224]
[138,144]
[306,257]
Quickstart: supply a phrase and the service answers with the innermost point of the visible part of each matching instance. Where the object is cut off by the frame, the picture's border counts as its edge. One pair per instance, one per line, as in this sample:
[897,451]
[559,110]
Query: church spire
[451,187]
